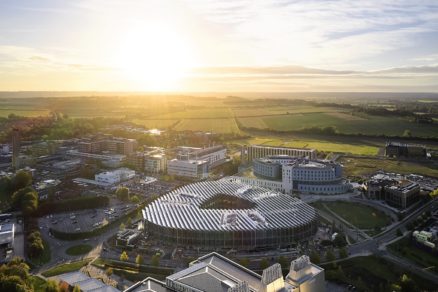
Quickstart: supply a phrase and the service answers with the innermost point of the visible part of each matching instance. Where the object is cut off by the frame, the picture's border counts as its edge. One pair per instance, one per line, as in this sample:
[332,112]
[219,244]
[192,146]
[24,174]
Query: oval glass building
[223,214]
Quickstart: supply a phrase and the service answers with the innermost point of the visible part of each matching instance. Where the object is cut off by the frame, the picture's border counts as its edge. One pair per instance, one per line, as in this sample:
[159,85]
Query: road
[378,244]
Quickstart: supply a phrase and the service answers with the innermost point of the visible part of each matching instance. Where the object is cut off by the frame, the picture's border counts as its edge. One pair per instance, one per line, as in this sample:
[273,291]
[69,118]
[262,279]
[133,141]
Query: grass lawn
[405,249]
[78,249]
[372,274]
[361,216]
[65,268]
[364,166]
[45,256]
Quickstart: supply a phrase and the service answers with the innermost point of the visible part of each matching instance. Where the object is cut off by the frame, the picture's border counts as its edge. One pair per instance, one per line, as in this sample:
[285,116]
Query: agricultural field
[249,111]
[357,166]
[344,123]
[320,145]
[361,216]
[198,113]
[159,124]
[208,125]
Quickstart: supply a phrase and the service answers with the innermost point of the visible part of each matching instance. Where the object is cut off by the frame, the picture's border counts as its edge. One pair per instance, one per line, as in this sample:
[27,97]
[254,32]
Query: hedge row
[134,267]
[72,205]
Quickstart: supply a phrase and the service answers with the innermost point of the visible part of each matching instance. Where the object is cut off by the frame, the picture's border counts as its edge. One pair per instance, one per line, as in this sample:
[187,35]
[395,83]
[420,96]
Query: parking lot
[86,220]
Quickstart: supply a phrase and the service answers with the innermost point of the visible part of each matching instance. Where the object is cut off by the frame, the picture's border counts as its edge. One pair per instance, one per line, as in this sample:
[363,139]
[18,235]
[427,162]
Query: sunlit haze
[215,45]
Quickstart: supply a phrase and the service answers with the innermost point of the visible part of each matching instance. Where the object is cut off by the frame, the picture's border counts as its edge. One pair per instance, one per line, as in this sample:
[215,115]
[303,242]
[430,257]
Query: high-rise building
[16,148]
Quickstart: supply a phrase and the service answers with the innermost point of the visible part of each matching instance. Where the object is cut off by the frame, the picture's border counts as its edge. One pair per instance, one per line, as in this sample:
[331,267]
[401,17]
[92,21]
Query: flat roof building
[214,155]
[7,233]
[197,169]
[216,273]
[397,149]
[249,153]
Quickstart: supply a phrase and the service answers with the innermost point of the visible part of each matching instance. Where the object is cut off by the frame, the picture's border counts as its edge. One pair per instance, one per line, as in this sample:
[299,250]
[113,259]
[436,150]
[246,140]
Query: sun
[154,58]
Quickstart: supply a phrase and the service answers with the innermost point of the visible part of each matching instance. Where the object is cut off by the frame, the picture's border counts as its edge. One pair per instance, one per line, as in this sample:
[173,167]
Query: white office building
[156,163]
[188,168]
[113,177]
[7,232]
[215,155]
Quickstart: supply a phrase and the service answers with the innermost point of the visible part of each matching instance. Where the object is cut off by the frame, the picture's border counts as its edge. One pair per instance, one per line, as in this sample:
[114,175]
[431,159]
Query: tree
[124,256]
[330,256]
[340,240]
[407,133]
[76,288]
[244,262]
[109,271]
[63,287]
[155,260]
[139,259]
[399,233]
[51,286]
[264,263]
[122,193]
[25,199]
[407,284]
[343,253]
[122,226]
[135,199]
[21,180]
[284,263]
[314,257]
[14,276]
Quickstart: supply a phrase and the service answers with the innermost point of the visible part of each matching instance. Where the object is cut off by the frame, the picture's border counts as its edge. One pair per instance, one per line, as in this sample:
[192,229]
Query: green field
[344,123]
[78,249]
[65,268]
[404,248]
[364,148]
[361,216]
[372,274]
[208,125]
[356,166]
[159,124]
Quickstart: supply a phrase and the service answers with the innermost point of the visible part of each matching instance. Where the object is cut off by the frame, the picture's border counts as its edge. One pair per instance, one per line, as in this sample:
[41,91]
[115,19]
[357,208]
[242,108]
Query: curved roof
[180,209]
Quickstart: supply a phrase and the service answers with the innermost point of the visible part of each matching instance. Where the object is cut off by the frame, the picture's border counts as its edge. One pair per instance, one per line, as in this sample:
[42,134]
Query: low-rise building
[7,234]
[127,237]
[304,276]
[397,149]
[197,169]
[155,163]
[402,194]
[216,273]
[85,283]
[249,153]
[302,174]
[114,177]
[215,155]
[394,189]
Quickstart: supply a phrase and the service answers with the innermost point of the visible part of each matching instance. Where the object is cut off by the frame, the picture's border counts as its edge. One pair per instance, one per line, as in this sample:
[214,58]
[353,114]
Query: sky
[219,45]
